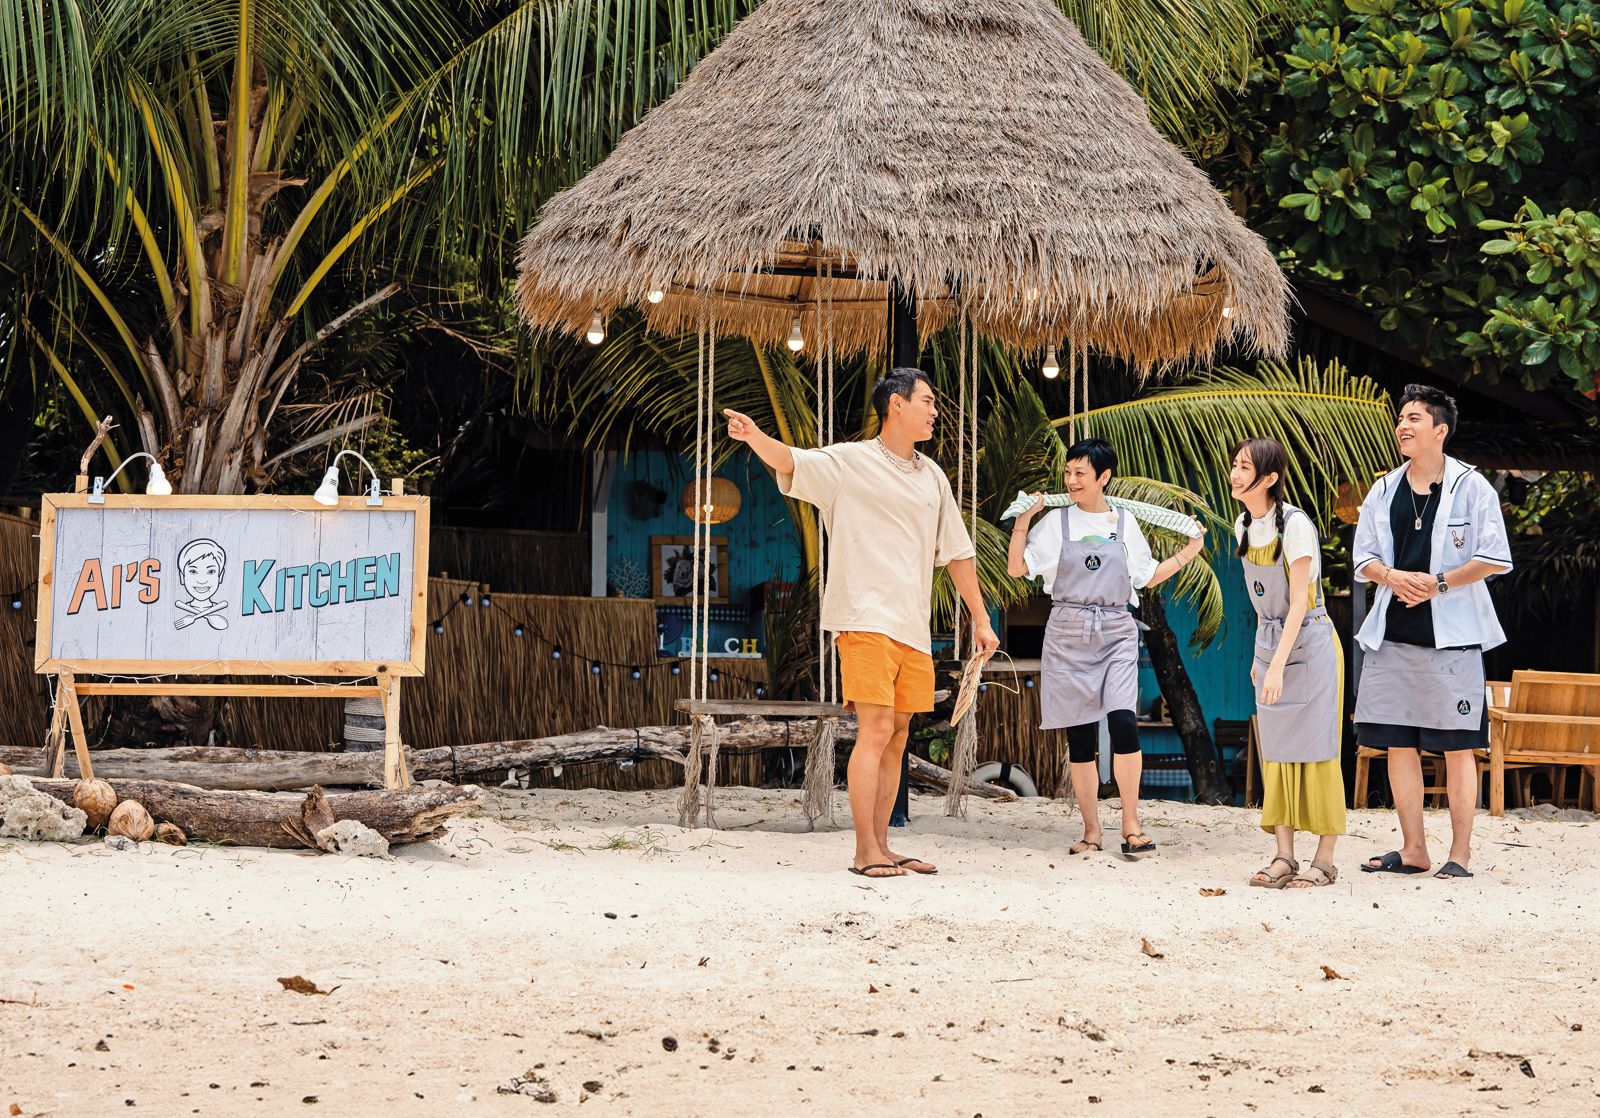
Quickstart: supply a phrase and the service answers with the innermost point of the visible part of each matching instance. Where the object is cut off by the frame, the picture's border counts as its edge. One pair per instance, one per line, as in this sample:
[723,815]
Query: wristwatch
[1444,587]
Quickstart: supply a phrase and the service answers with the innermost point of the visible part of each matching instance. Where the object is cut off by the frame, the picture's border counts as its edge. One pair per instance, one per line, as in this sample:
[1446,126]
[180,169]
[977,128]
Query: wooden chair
[1497,693]
[1551,719]
[1232,737]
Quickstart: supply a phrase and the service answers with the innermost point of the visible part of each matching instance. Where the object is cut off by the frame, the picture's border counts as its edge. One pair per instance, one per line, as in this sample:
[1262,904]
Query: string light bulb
[1227,312]
[635,673]
[484,600]
[594,668]
[466,597]
[555,653]
[676,670]
[516,630]
[438,626]
[656,295]
[797,340]
[597,329]
[16,601]
[1052,364]
[714,675]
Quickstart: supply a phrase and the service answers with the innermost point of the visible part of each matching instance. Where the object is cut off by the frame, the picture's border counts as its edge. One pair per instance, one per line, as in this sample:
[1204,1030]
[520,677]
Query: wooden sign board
[213,585]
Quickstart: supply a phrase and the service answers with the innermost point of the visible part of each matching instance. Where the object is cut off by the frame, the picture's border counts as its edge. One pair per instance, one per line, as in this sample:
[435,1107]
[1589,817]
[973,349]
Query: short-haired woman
[1093,559]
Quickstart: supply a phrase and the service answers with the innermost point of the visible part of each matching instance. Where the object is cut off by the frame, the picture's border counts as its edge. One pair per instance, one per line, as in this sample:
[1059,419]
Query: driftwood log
[223,769]
[263,819]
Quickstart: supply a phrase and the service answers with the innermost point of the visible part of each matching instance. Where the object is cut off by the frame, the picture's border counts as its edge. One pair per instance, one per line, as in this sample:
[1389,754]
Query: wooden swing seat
[765,708]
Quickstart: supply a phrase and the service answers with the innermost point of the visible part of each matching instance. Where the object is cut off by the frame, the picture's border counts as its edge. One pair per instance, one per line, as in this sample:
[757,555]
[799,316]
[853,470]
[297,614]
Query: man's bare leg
[1405,783]
[875,730]
[889,789]
[1461,779]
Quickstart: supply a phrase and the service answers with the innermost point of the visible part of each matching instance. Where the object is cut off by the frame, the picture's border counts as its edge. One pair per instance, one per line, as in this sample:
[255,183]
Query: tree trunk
[263,819]
[219,768]
[1205,769]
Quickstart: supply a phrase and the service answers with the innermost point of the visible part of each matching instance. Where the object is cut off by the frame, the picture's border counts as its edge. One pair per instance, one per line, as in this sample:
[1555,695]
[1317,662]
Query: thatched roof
[978,148]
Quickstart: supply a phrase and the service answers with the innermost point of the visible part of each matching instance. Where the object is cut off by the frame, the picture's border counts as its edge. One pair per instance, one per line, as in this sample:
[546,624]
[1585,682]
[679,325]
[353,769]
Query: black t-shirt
[1413,549]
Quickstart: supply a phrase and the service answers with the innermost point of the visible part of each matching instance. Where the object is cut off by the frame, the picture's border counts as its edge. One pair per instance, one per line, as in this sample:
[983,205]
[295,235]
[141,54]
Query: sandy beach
[538,959]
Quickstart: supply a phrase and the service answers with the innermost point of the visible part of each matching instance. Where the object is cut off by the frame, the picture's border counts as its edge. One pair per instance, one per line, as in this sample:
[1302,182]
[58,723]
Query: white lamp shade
[328,492]
[158,485]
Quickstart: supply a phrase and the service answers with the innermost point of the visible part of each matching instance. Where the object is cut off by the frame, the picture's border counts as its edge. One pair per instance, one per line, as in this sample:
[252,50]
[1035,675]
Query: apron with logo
[1091,643]
[1303,725]
[1430,688]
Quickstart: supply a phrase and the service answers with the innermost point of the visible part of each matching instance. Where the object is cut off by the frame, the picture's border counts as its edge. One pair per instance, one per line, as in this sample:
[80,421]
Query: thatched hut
[974,152]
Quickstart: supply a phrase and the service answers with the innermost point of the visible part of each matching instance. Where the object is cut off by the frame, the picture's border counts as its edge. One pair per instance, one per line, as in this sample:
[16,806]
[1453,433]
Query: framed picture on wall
[672,560]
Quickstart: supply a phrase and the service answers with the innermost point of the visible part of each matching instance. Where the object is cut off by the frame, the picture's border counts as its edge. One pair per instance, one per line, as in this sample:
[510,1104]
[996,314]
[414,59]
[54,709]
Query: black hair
[1099,453]
[900,381]
[1440,404]
[1267,456]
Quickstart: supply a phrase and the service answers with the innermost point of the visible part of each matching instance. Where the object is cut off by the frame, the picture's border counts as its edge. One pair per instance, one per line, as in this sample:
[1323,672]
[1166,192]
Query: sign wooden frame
[68,714]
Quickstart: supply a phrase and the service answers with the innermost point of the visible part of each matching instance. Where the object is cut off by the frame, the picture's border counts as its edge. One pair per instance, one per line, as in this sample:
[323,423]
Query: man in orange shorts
[891,520]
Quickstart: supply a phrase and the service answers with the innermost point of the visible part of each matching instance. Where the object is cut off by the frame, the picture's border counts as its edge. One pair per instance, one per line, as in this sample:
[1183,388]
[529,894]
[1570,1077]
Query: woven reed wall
[513,560]
[483,682]
[1008,730]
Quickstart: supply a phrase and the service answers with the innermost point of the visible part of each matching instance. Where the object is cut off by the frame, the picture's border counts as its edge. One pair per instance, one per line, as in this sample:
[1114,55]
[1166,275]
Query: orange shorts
[881,671]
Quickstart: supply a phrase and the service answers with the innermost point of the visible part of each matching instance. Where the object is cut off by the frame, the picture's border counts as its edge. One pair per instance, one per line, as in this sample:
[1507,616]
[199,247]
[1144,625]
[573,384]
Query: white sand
[1011,984]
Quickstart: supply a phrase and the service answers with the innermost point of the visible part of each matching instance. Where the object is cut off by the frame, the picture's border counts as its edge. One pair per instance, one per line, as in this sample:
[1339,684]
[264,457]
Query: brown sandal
[1275,881]
[1318,875]
[1083,846]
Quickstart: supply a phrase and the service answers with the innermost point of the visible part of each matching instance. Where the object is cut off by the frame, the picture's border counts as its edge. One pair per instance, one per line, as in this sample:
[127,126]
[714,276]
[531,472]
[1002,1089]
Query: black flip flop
[1133,850]
[1452,869]
[1393,863]
[903,863]
[1087,846]
[862,872]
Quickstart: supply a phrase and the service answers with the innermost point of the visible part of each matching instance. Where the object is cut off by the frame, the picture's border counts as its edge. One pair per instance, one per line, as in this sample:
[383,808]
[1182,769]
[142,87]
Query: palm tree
[207,191]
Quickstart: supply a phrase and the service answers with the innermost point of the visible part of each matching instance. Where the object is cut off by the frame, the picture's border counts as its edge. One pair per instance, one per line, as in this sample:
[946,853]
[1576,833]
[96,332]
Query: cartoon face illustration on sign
[1261,591]
[201,564]
[1463,707]
[1092,562]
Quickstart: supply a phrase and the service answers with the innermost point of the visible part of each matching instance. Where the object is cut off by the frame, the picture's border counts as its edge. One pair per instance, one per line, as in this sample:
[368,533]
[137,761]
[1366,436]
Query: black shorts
[1383,735]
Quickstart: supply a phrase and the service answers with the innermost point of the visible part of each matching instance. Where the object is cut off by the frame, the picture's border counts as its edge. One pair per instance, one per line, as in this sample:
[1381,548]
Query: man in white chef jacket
[1430,533]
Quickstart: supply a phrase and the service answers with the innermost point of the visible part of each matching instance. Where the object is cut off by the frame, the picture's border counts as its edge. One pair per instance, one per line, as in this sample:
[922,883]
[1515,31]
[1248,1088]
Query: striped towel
[1170,519]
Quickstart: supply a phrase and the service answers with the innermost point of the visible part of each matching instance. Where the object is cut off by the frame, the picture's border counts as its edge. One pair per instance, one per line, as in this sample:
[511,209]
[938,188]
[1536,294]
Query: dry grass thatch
[977,149]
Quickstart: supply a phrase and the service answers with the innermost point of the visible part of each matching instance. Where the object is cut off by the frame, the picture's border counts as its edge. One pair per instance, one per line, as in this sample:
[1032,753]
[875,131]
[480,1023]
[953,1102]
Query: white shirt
[1043,552]
[888,529]
[1469,526]
[1299,538]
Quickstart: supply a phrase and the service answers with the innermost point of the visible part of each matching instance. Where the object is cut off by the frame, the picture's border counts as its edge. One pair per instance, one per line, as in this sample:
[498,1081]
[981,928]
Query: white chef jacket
[1468,526]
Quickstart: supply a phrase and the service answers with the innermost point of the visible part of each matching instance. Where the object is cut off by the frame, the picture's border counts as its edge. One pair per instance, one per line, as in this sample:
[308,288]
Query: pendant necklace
[1417,523]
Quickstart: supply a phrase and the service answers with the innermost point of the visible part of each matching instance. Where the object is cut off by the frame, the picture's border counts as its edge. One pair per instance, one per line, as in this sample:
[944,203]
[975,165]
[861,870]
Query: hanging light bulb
[676,670]
[797,340]
[555,653]
[516,630]
[1052,365]
[1227,312]
[635,673]
[656,295]
[594,669]
[714,675]
[438,626]
[597,329]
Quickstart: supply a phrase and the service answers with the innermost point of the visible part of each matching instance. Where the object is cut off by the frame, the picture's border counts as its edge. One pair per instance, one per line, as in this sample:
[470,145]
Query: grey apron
[1430,688]
[1091,643]
[1303,725]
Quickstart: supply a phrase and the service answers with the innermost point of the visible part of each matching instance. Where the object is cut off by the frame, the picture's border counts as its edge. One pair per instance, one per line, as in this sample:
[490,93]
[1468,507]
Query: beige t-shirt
[887,531]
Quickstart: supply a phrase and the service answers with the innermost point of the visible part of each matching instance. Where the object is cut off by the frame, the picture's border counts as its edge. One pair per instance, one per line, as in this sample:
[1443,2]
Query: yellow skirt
[1305,795]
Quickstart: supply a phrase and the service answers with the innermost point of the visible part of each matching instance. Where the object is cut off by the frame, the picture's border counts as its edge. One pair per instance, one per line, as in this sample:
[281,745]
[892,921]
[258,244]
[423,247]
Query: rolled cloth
[1170,519]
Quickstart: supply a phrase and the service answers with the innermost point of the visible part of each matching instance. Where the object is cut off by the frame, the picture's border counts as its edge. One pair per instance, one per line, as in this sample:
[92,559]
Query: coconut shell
[171,834]
[131,820]
[96,799]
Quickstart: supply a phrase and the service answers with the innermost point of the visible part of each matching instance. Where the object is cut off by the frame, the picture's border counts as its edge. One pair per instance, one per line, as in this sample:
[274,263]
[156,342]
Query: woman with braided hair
[1298,670]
